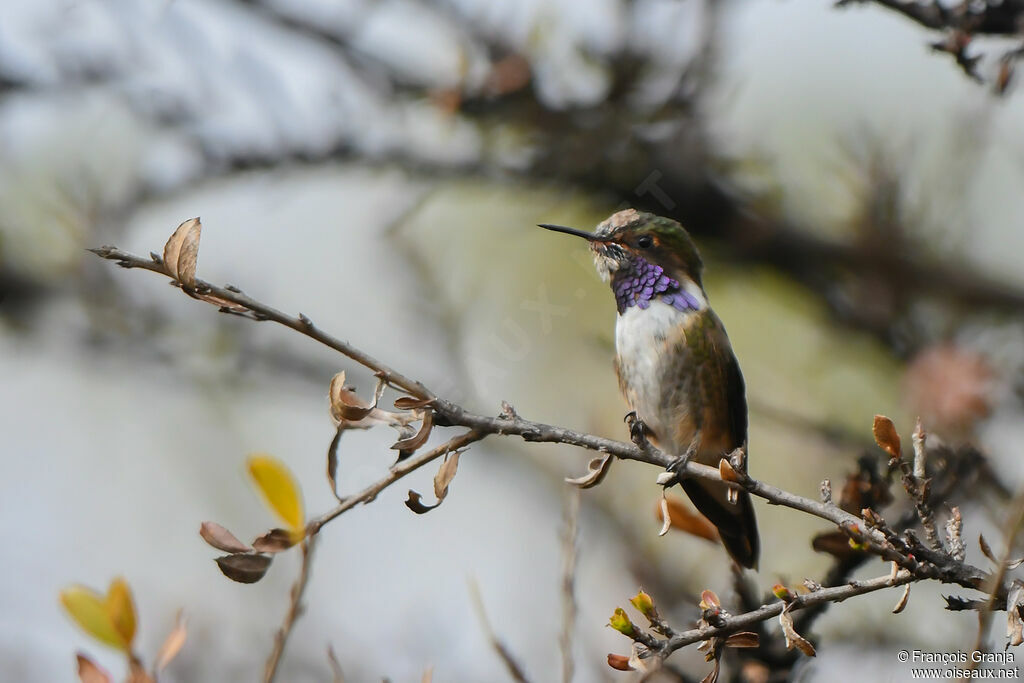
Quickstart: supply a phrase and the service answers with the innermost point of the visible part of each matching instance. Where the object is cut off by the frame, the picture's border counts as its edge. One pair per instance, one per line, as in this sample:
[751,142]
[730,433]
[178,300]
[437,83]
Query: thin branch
[293,613]
[300,323]
[569,608]
[1013,529]
[511,665]
[732,624]
[918,561]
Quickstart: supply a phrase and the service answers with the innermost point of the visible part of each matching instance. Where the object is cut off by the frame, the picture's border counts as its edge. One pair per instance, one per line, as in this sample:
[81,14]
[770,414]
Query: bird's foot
[637,430]
[673,473]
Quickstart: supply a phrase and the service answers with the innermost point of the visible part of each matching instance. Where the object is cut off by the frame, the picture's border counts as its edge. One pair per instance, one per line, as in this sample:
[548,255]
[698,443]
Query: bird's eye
[645,242]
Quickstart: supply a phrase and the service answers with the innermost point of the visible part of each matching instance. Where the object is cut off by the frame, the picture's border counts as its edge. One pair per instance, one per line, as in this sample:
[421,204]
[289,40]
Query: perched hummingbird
[675,365]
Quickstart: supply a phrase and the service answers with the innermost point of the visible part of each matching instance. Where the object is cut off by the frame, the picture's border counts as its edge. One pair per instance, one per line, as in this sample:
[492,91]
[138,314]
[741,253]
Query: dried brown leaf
[640,661]
[244,568]
[90,672]
[444,476]
[222,303]
[412,403]
[886,436]
[418,439]
[835,543]
[986,550]
[794,639]
[172,644]
[332,461]
[276,540]
[597,468]
[683,518]
[726,471]
[665,514]
[742,639]
[182,250]
[346,404]
[221,539]
[902,601]
[415,503]
[713,676]
[619,662]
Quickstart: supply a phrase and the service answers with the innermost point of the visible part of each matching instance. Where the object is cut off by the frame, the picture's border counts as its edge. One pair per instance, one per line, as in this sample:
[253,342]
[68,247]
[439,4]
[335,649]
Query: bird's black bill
[569,231]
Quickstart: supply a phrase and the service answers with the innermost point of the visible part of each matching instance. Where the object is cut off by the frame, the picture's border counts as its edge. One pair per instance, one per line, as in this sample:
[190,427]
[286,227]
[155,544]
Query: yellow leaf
[88,609]
[279,489]
[120,608]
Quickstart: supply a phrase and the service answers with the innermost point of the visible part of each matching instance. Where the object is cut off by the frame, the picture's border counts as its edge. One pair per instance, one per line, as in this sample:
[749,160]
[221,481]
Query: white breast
[639,344]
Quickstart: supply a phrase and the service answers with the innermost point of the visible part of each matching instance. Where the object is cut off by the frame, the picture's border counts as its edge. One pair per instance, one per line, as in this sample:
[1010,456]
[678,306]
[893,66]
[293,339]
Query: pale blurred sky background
[379,166]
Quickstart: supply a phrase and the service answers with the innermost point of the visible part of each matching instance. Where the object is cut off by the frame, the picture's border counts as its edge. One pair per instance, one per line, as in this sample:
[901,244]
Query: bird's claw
[637,429]
[675,469]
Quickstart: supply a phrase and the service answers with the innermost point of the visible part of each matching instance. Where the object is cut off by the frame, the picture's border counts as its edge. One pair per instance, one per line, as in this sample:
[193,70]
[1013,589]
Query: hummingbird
[676,367]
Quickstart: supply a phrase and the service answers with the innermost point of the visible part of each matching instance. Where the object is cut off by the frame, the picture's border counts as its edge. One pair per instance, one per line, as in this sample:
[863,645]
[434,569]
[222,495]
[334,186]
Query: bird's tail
[736,522]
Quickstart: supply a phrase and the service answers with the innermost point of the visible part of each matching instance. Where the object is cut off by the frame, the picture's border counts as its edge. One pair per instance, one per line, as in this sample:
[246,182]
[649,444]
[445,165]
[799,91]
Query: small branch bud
[621,623]
[954,535]
[919,451]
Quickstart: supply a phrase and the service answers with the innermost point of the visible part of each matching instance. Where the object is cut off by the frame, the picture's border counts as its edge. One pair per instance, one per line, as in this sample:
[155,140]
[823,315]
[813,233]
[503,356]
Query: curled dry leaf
[726,471]
[713,676]
[794,639]
[172,644]
[244,568]
[415,503]
[683,518]
[887,437]
[419,438]
[901,605]
[442,479]
[597,468]
[639,660]
[346,404]
[619,662]
[1014,622]
[835,543]
[444,476]
[332,461]
[221,539]
[665,514]
[276,540]
[412,403]
[182,251]
[90,672]
[742,639]
[986,550]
